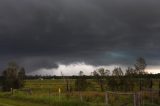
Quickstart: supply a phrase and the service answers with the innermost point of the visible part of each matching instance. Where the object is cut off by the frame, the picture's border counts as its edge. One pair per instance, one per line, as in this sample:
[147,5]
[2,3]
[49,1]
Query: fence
[134,101]
[108,98]
[137,98]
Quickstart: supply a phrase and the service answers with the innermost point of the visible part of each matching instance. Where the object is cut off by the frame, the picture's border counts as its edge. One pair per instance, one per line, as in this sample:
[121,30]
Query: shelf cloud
[45,34]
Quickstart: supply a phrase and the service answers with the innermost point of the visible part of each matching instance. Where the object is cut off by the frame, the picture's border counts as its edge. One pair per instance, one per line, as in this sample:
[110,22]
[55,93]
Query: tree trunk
[140,84]
[102,87]
[159,88]
[67,85]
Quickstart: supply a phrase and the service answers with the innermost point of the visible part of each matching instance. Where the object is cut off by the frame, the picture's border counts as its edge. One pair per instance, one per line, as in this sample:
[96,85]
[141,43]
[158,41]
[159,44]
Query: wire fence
[140,98]
[108,98]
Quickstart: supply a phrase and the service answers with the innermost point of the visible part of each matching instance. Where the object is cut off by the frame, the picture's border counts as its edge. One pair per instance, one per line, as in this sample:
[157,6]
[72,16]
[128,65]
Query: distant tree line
[119,80]
[116,80]
[30,77]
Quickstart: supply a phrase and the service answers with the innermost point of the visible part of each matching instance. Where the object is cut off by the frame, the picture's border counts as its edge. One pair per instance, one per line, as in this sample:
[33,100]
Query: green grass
[11,102]
[45,93]
[54,85]
[19,99]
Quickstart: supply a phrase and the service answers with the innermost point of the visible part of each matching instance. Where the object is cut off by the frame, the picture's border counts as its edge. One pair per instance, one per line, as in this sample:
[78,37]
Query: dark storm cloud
[42,33]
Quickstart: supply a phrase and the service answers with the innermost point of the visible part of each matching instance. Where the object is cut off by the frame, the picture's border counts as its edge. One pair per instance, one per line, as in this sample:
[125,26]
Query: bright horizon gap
[74,68]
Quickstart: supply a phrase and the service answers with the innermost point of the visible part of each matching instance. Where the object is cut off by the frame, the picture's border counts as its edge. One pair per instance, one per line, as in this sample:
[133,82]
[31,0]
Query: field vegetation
[135,87]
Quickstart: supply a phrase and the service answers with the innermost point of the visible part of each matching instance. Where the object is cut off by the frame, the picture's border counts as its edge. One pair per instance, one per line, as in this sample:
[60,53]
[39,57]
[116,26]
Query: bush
[13,77]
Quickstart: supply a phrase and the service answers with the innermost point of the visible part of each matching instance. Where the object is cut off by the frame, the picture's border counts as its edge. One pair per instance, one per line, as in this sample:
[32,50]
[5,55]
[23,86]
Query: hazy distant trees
[140,65]
[22,73]
[117,72]
[81,82]
[13,77]
[130,71]
[100,75]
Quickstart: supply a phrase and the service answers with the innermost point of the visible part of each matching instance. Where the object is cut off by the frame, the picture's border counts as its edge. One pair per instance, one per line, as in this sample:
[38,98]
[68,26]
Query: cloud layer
[40,34]
[71,69]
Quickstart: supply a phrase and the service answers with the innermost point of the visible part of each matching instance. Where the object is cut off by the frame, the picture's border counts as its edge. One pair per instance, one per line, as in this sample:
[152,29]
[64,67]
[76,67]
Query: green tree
[129,80]
[21,77]
[100,75]
[117,82]
[12,77]
[112,83]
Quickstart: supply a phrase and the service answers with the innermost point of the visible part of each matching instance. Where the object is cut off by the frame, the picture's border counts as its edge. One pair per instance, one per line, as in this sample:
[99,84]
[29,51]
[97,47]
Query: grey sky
[42,33]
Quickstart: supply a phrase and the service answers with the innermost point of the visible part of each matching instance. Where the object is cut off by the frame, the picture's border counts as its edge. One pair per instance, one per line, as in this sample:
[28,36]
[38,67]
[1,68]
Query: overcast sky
[49,36]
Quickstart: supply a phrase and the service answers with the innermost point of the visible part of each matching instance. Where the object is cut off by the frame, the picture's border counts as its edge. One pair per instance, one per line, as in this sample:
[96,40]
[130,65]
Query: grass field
[45,93]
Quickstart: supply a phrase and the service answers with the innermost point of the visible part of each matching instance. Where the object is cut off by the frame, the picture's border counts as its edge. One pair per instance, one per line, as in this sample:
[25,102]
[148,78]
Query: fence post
[139,99]
[81,97]
[106,98]
[159,88]
[135,99]
[12,91]
[49,97]
[152,95]
[59,93]
[142,98]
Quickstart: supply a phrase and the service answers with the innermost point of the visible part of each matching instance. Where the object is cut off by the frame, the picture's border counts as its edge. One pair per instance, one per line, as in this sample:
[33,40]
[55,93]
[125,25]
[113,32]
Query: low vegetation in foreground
[46,93]
[135,87]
